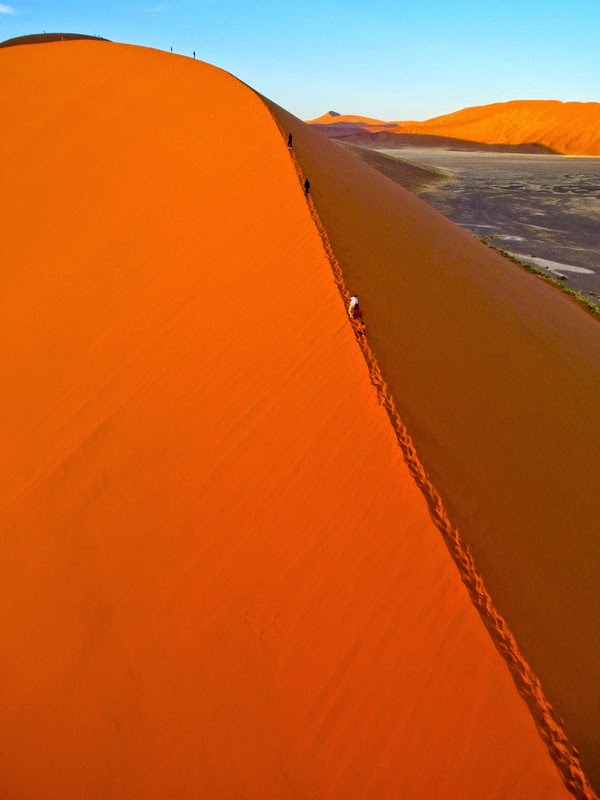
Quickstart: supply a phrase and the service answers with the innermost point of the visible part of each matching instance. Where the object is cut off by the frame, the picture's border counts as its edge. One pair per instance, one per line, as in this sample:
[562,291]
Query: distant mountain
[571,128]
[334,118]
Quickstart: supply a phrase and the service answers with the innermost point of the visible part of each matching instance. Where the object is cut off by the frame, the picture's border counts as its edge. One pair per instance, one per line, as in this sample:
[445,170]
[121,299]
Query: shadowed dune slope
[382,139]
[411,176]
[218,578]
[497,377]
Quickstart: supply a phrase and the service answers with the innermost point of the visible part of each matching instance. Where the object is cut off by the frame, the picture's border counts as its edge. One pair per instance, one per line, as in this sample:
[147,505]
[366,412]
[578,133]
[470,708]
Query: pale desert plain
[236,538]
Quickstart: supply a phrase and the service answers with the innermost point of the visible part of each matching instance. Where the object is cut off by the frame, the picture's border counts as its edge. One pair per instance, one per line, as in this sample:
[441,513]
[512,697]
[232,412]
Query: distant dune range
[220,576]
[517,126]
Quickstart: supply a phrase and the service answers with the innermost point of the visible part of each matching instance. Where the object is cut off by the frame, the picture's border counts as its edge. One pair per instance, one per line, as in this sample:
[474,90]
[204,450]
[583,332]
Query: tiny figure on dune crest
[290,137]
[306,187]
[194,54]
[354,310]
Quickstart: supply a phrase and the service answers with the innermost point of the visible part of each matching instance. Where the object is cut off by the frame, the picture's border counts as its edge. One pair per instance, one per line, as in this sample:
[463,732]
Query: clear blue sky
[410,59]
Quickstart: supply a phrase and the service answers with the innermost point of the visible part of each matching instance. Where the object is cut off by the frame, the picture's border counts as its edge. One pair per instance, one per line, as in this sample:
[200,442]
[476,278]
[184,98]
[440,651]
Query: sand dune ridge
[459,310]
[549,724]
[220,577]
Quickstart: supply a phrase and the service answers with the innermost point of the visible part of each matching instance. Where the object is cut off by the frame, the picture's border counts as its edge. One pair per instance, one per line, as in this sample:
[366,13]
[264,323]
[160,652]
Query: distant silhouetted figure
[194,54]
[171,48]
[306,187]
[289,141]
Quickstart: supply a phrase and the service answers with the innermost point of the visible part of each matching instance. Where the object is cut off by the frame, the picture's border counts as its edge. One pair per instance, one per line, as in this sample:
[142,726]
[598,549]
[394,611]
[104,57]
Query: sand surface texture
[496,376]
[219,579]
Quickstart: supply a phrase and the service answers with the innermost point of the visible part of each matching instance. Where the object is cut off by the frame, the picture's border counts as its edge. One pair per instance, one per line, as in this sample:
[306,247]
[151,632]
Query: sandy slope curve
[496,377]
[219,578]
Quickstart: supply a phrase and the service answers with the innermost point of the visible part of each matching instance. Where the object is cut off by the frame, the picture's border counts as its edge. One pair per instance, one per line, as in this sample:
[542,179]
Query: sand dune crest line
[550,727]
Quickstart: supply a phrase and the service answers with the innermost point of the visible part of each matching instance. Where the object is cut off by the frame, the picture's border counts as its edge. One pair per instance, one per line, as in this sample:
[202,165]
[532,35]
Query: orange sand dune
[496,376]
[570,128]
[550,125]
[219,578]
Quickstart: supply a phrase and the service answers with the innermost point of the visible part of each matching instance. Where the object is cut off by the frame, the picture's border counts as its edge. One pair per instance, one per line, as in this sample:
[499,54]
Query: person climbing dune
[354,310]
[290,137]
[360,329]
[306,187]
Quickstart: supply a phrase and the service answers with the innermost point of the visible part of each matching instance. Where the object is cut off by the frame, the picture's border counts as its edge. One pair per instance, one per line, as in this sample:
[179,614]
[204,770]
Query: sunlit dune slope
[496,375]
[218,578]
[529,125]
[570,128]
